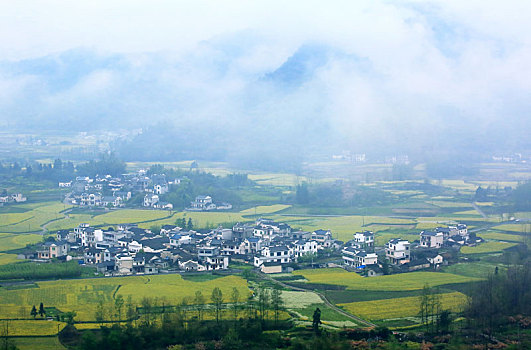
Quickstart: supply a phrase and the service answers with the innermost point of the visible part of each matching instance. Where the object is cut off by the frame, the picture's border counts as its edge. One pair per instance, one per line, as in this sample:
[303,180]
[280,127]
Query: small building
[51,250]
[271,267]
[431,239]
[358,257]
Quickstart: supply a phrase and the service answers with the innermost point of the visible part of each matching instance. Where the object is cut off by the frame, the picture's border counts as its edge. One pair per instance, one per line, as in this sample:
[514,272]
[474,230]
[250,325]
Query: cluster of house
[108,191]
[128,249]
[12,198]
[205,203]
[360,252]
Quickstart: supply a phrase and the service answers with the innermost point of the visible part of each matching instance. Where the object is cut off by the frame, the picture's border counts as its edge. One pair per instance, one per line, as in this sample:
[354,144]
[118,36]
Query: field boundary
[323,298]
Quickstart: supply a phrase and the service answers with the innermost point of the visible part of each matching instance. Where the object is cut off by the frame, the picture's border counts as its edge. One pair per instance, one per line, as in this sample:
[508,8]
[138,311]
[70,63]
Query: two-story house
[358,257]
[276,254]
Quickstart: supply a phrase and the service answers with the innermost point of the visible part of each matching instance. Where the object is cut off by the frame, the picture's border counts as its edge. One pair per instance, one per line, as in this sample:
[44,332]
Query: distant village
[115,192]
[12,198]
[269,246]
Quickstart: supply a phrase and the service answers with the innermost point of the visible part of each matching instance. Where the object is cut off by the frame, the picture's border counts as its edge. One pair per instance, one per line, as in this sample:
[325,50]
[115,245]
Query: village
[116,192]
[269,246]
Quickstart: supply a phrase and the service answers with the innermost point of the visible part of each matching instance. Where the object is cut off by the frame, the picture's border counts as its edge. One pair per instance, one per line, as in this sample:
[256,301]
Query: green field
[479,269]
[400,307]
[31,220]
[10,241]
[487,247]
[519,228]
[82,295]
[342,227]
[42,343]
[398,282]
[264,209]
[499,236]
[8,258]
[34,327]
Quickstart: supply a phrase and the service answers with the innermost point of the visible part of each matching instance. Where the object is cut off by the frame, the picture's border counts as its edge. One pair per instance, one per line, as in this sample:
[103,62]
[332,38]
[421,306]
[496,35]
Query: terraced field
[398,282]
[400,307]
[82,295]
[32,219]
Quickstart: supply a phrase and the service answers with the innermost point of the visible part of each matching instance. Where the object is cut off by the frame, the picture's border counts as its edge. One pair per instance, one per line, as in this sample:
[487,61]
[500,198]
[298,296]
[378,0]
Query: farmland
[400,307]
[82,295]
[41,343]
[32,219]
[10,241]
[487,247]
[34,327]
[498,236]
[264,209]
[8,258]
[399,282]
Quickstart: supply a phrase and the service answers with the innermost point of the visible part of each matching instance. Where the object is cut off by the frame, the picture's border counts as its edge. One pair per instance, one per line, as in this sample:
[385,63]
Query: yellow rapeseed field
[400,307]
[83,295]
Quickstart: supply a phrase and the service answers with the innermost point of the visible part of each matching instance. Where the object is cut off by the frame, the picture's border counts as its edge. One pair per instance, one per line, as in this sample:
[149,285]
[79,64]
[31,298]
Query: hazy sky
[384,69]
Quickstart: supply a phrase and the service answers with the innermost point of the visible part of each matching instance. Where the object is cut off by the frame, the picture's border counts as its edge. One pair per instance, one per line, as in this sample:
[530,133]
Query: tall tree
[42,312]
[276,302]
[235,300]
[263,302]
[199,302]
[316,320]
[99,313]
[217,299]
[34,311]
[118,306]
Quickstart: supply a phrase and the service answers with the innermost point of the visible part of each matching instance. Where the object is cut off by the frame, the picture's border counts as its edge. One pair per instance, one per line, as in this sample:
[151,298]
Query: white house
[219,262]
[323,237]
[358,257]
[150,200]
[178,239]
[134,247]
[202,203]
[302,247]
[277,254]
[364,239]
[435,260]
[397,251]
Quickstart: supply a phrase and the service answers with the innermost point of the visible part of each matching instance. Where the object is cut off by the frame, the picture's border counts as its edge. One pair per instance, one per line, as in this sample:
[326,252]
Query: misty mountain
[226,100]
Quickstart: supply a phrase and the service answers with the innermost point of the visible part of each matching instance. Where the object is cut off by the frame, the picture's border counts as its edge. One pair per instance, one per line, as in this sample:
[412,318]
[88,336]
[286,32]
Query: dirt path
[478,209]
[357,319]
